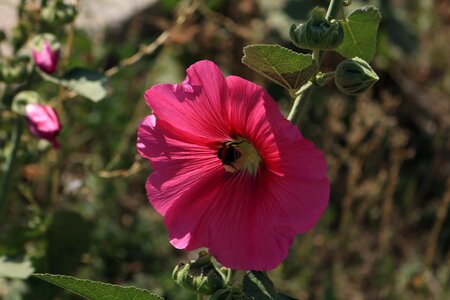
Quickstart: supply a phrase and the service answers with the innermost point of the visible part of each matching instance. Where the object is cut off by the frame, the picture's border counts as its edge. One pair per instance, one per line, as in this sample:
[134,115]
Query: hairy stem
[333,8]
[298,108]
[4,187]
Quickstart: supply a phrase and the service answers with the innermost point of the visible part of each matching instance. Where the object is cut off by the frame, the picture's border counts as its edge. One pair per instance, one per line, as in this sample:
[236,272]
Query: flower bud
[22,99]
[43,122]
[58,13]
[201,276]
[317,32]
[354,76]
[14,69]
[46,50]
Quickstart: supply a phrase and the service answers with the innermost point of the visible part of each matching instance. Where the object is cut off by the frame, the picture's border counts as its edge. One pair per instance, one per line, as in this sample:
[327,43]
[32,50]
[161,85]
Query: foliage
[386,232]
[360,33]
[97,290]
[281,65]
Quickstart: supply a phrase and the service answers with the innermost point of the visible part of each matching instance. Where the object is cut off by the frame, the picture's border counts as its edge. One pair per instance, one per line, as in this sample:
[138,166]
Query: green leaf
[19,269]
[281,65]
[84,82]
[360,33]
[256,285]
[95,290]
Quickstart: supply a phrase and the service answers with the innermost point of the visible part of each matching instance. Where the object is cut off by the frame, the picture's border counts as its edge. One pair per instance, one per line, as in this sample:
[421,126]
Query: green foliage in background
[82,211]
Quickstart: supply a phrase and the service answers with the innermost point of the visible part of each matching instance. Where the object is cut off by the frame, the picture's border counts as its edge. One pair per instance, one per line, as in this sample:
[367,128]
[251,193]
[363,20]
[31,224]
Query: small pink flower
[47,58]
[229,171]
[43,122]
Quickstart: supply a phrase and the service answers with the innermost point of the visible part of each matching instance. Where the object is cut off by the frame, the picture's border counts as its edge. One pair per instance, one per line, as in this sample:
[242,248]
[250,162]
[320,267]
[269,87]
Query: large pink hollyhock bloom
[43,122]
[229,171]
[47,58]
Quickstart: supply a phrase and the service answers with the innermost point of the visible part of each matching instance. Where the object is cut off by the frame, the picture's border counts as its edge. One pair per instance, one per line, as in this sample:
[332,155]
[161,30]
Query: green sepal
[23,98]
[38,42]
[201,276]
[317,32]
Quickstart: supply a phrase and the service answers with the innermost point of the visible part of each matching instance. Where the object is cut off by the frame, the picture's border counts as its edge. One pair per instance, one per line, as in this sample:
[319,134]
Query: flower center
[239,155]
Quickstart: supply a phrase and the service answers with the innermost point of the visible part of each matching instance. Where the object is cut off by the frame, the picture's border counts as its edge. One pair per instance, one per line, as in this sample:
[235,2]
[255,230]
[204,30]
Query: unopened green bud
[317,32]
[22,99]
[14,69]
[201,275]
[347,2]
[58,13]
[354,76]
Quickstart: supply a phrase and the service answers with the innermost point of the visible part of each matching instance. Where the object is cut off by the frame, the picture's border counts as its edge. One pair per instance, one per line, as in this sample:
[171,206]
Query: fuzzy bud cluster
[201,275]
[58,13]
[14,69]
[317,32]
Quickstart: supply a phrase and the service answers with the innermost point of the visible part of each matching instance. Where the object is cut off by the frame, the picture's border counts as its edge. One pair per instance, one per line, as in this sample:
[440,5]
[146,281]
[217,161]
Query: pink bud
[43,122]
[47,58]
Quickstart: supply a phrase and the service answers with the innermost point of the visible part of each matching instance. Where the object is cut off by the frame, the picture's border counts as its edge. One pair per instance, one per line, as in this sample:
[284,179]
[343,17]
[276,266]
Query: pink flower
[47,58]
[43,122]
[229,171]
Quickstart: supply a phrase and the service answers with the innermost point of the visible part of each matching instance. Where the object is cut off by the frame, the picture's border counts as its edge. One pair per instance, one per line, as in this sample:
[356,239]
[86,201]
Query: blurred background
[82,210]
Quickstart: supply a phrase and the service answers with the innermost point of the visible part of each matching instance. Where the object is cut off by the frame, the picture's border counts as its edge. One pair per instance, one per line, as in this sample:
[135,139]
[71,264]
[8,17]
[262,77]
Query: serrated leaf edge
[43,276]
[285,84]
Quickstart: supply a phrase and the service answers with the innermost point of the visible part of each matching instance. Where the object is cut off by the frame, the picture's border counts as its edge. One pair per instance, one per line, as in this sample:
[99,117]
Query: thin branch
[9,165]
[186,9]
[437,227]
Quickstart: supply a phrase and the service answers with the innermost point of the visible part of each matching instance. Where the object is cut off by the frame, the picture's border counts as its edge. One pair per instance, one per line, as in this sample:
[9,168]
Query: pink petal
[43,122]
[248,222]
[255,116]
[178,166]
[235,217]
[195,117]
[46,59]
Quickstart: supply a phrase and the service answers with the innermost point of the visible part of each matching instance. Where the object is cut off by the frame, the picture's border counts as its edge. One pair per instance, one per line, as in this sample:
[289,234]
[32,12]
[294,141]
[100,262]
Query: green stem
[298,108]
[228,277]
[15,139]
[333,8]
[303,94]
[21,8]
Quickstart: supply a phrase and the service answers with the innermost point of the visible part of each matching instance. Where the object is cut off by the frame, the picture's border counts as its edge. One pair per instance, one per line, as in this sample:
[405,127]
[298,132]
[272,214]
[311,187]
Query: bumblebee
[229,153]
